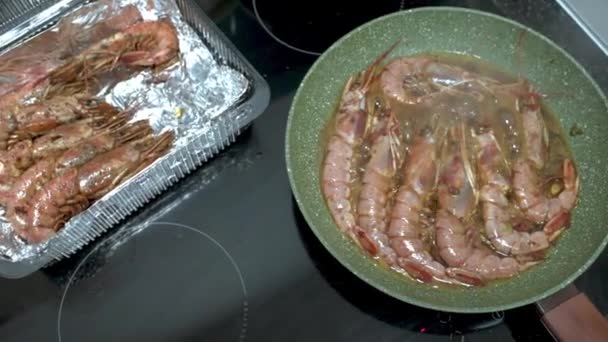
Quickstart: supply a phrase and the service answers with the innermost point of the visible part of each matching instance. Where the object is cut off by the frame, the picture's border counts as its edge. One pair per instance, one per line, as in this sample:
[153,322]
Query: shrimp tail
[365,241]
[416,270]
[466,276]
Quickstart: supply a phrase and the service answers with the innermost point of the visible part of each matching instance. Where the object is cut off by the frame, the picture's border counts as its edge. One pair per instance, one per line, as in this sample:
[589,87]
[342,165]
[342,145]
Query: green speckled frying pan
[493,39]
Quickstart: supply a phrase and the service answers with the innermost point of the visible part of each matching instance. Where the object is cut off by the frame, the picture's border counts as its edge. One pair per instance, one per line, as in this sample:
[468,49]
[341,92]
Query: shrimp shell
[553,212]
[25,153]
[495,205]
[405,232]
[72,192]
[351,128]
[385,161]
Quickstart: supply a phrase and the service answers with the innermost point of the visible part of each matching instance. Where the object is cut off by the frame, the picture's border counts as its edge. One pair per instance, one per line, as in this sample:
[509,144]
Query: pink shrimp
[25,153]
[351,128]
[148,44]
[411,80]
[73,191]
[27,122]
[552,211]
[17,199]
[456,188]
[405,229]
[64,154]
[496,209]
[468,259]
[164,46]
[386,158]
[456,237]
[29,65]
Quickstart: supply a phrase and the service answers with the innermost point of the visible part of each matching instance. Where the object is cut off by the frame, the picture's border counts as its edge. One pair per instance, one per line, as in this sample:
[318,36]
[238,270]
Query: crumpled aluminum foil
[189,95]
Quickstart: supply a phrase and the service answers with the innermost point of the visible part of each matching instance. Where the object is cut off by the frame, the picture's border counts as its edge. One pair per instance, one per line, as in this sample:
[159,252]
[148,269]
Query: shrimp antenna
[466,159]
[437,128]
[371,69]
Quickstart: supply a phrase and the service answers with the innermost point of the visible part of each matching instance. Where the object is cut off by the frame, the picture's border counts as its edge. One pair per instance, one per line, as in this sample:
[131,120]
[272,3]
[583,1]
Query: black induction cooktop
[225,255]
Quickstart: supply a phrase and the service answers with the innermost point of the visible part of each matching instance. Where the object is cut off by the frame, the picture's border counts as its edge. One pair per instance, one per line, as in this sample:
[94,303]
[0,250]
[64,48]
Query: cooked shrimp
[456,235]
[378,177]
[351,127]
[468,259]
[405,231]
[552,211]
[411,80]
[496,210]
[17,198]
[456,187]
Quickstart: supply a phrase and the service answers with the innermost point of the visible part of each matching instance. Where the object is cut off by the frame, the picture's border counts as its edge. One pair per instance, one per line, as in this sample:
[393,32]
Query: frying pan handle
[571,317]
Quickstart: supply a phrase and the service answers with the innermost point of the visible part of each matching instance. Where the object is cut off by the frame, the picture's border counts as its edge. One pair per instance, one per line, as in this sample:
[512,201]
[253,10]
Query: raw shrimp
[496,208]
[386,158]
[411,80]
[466,201]
[552,210]
[351,128]
[102,143]
[146,44]
[76,39]
[70,135]
[16,200]
[76,154]
[72,191]
[468,259]
[159,44]
[456,190]
[13,162]
[456,236]
[28,65]
[405,231]
[27,68]
[23,154]
[26,122]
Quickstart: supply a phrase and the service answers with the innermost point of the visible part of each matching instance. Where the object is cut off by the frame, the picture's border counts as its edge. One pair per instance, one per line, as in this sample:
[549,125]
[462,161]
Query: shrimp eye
[378,104]
[556,188]
[91,103]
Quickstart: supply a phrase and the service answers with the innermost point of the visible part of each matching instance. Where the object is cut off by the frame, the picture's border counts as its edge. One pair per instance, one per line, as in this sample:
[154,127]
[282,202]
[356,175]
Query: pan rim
[404,297]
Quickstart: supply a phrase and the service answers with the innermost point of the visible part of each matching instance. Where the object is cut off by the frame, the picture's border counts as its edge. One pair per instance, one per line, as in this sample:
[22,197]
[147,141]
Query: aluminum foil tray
[221,93]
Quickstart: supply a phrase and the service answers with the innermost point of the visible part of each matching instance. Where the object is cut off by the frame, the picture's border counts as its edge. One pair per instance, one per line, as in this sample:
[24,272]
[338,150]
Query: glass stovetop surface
[229,257]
